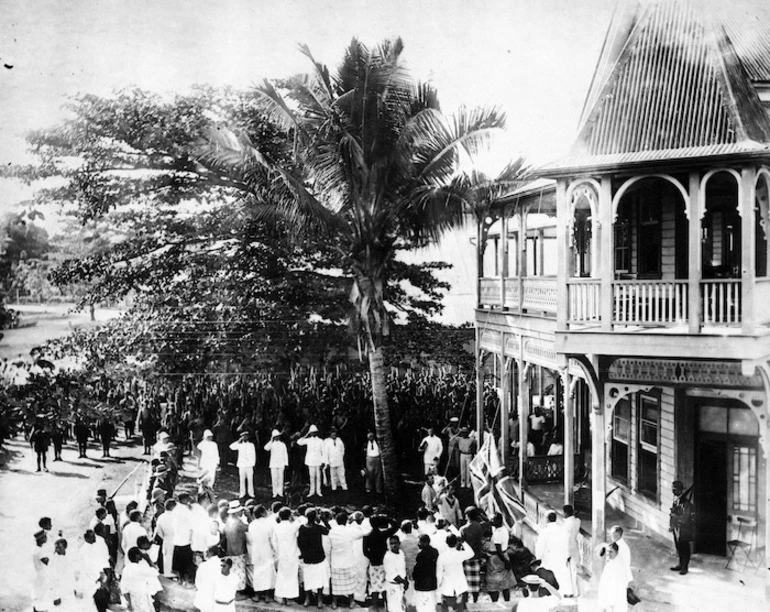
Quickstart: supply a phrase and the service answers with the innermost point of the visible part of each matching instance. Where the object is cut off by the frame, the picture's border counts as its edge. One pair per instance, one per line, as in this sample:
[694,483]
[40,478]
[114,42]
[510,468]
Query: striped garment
[472,570]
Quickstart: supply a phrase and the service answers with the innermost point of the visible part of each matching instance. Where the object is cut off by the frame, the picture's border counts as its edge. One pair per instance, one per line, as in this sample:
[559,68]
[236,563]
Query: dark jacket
[424,573]
[376,545]
[683,519]
[310,542]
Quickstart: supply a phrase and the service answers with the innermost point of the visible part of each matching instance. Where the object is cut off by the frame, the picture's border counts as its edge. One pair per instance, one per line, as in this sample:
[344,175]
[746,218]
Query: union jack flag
[493,488]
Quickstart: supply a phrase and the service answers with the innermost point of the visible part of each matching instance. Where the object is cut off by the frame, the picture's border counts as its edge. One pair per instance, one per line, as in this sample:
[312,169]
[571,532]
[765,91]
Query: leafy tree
[378,173]
[215,283]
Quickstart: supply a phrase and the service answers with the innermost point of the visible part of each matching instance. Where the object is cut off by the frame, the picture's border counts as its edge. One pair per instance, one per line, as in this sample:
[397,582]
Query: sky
[534,58]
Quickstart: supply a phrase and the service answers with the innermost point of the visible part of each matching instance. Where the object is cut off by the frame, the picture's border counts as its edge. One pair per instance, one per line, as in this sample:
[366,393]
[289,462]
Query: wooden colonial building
[624,297]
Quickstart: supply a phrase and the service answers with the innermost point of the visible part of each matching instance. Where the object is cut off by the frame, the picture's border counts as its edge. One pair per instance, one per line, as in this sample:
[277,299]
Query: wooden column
[694,257]
[562,256]
[540,253]
[503,256]
[479,391]
[748,246]
[607,256]
[523,421]
[569,436]
[479,262]
[522,244]
[505,410]
[598,480]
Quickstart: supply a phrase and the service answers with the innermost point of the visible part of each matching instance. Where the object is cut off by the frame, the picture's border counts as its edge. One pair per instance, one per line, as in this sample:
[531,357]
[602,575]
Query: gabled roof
[675,80]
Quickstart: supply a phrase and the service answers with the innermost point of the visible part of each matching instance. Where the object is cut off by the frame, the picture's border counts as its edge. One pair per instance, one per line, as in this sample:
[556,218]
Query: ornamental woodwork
[680,371]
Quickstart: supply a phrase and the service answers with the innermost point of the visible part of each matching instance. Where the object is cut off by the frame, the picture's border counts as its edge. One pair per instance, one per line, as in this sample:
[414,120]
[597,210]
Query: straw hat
[234,506]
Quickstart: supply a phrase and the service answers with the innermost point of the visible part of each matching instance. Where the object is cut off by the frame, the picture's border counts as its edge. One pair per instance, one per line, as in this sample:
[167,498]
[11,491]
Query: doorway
[711,497]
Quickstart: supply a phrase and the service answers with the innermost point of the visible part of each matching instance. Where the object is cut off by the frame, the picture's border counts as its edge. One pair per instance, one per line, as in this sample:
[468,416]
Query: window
[581,239]
[649,242]
[744,479]
[621,439]
[649,442]
[623,245]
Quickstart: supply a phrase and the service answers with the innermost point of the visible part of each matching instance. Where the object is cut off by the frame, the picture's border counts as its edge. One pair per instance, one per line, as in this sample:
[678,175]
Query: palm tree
[375,167]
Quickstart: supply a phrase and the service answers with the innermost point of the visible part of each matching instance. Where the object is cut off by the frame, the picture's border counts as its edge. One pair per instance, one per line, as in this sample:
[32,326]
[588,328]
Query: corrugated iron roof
[674,81]
[633,157]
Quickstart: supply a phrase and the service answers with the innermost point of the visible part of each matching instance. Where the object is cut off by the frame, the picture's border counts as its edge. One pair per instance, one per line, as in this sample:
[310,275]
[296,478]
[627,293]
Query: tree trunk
[382,424]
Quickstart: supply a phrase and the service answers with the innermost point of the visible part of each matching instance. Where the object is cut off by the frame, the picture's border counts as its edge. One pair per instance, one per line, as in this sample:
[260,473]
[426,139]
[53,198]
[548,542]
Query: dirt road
[66,494]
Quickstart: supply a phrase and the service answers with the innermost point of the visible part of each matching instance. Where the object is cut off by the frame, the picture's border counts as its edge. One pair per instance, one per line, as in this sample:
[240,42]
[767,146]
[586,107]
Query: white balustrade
[539,293]
[584,300]
[721,301]
[656,302]
[511,292]
[490,292]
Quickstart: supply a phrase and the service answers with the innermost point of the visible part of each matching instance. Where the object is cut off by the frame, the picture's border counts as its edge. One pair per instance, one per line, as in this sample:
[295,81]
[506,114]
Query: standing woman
[614,581]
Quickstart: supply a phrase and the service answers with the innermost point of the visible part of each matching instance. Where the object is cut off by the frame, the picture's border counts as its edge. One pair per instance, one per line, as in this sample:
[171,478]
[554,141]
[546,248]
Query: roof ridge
[674,81]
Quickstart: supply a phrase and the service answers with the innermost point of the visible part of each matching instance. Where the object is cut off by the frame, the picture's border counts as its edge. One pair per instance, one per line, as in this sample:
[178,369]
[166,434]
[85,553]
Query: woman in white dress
[262,559]
[287,555]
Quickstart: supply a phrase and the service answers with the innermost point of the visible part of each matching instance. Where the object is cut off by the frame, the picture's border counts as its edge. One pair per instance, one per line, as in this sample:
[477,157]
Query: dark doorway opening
[711,497]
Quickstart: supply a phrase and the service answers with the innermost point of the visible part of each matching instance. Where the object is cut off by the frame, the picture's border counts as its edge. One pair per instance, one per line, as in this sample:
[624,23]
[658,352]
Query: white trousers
[276,477]
[315,479]
[338,477]
[465,474]
[247,481]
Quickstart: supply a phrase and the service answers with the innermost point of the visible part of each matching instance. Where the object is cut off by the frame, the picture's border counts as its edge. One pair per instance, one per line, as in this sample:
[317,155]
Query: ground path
[65,493]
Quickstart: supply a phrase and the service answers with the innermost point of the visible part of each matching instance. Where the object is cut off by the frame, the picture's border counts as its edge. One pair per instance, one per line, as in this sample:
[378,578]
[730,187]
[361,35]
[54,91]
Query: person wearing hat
[208,460]
[247,460]
[279,460]
[314,458]
[235,535]
[682,525]
[39,440]
[535,596]
[466,447]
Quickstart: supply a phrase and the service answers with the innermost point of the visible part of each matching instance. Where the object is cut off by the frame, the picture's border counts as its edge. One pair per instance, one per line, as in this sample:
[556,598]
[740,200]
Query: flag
[493,488]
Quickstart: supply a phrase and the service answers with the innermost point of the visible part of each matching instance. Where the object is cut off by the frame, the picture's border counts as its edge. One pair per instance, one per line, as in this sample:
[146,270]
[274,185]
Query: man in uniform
[682,525]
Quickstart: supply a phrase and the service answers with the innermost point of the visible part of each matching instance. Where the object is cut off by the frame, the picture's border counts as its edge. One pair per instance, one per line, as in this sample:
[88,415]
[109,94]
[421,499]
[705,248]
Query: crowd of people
[228,549]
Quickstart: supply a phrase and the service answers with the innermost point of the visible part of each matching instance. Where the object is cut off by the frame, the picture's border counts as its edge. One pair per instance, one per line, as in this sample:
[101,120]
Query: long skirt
[395,597]
[472,570]
[498,578]
[315,575]
[424,601]
[239,570]
[376,578]
[343,581]
[287,579]
[261,572]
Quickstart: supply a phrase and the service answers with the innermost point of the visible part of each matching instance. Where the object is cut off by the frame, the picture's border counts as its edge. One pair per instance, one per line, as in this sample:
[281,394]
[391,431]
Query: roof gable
[670,78]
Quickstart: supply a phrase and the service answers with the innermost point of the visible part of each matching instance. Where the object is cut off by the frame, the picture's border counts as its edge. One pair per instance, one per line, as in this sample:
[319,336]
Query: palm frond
[322,72]
[274,107]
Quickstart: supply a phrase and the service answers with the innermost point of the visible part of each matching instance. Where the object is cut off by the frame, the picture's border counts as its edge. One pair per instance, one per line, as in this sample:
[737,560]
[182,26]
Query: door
[711,497]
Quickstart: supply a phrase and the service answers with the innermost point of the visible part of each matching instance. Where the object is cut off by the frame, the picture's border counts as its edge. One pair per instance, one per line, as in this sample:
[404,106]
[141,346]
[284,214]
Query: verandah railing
[653,302]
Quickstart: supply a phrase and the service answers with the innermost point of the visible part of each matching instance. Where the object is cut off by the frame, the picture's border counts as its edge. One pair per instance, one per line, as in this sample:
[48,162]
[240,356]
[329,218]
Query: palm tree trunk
[382,424]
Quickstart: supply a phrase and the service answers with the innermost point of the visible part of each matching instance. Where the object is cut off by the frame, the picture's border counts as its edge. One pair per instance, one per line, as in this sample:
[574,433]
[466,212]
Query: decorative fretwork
[683,372]
[491,341]
[512,346]
[545,468]
[540,352]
